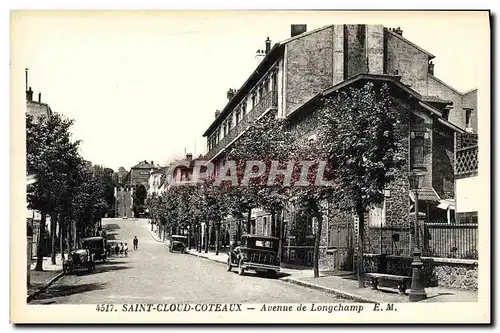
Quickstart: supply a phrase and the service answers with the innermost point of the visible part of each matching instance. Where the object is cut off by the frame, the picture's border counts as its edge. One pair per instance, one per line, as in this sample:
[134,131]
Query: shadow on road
[67,290]
[109,268]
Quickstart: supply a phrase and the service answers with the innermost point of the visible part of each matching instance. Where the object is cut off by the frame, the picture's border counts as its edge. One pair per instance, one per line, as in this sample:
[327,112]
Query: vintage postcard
[250,167]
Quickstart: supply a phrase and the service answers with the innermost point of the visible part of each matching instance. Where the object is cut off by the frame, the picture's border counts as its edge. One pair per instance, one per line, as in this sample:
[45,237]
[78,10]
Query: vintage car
[257,253]
[178,243]
[97,246]
[79,259]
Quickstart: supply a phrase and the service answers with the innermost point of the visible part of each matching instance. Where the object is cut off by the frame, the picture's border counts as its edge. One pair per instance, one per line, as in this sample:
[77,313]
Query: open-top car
[178,243]
[257,253]
[97,246]
[79,259]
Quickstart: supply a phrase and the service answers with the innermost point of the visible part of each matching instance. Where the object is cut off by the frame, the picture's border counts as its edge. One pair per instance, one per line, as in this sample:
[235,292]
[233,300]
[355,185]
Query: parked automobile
[97,246]
[178,243]
[257,253]
[79,259]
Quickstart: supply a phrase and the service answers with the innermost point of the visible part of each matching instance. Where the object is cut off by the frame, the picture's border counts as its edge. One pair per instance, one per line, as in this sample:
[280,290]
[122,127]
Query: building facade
[293,77]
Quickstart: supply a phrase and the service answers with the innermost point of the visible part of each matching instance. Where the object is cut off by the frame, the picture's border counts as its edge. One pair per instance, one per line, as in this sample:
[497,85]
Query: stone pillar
[375,48]
[338,54]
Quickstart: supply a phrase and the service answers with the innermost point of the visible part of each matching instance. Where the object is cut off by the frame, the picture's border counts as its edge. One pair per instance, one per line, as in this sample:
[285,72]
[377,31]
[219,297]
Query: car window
[264,243]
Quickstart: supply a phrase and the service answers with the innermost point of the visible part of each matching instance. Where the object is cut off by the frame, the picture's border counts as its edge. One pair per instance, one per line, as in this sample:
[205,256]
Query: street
[153,275]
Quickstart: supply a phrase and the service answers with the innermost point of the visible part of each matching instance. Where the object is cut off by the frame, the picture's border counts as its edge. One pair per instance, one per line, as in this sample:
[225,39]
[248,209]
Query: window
[229,123]
[238,115]
[468,121]
[244,109]
[418,151]
[254,99]
[264,226]
[446,114]
[224,130]
[376,215]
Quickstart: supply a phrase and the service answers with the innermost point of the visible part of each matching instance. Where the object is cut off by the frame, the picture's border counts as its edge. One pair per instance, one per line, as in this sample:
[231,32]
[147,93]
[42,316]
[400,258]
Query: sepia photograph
[250,166]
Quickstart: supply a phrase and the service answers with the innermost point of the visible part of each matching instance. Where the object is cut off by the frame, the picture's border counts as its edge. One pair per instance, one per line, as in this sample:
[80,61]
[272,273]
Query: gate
[341,242]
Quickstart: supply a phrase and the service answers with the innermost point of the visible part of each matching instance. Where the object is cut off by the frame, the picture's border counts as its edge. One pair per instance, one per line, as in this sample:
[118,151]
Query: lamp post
[189,237]
[417,292]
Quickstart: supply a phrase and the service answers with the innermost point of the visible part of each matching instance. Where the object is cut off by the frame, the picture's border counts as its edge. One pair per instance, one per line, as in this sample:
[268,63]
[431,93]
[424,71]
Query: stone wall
[470,101]
[355,60]
[441,90]
[309,67]
[446,273]
[408,61]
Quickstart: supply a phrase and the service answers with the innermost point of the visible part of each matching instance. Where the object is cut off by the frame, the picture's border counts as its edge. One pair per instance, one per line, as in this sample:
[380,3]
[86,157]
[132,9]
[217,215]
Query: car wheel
[229,264]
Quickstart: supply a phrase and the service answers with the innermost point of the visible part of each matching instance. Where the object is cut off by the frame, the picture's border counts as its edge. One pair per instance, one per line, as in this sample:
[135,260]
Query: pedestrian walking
[136,243]
[117,249]
[125,250]
[121,248]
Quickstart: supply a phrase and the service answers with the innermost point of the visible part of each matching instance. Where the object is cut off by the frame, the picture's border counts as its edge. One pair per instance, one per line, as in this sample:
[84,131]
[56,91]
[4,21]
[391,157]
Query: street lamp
[417,292]
[189,237]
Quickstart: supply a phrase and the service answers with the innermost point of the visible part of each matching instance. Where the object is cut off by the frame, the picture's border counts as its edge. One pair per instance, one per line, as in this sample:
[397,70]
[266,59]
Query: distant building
[139,174]
[36,109]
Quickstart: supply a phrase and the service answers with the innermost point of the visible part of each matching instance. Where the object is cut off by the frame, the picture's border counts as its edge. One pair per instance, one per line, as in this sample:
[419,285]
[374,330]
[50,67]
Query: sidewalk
[41,280]
[347,287]
[344,285]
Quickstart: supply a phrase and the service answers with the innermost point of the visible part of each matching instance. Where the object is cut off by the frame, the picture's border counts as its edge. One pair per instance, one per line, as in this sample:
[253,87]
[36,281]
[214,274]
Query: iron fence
[439,240]
[444,240]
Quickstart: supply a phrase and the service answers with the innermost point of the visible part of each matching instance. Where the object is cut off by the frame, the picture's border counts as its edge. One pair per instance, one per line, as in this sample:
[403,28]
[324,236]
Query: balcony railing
[268,101]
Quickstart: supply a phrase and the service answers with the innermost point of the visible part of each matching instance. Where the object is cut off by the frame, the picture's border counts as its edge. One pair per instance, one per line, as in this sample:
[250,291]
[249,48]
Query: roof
[259,237]
[450,87]
[274,54]
[161,170]
[431,56]
[428,194]
[435,99]
[394,80]
[144,165]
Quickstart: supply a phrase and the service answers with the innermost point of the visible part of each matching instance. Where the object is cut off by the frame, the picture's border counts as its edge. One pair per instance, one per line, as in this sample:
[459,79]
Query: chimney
[39,97]
[217,113]
[29,95]
[189,156]
[268,45]
[153,163]
[230,94]
[297,29]
[431,68]
[398,31]
[259,55]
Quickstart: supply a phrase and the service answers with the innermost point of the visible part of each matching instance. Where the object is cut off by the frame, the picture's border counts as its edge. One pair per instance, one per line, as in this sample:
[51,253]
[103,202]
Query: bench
[402,280]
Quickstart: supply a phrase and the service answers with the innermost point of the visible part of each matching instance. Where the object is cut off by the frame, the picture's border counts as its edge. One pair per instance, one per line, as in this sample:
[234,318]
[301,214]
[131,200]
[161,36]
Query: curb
[336,292]
[48,284]
[203,257]
[151,233]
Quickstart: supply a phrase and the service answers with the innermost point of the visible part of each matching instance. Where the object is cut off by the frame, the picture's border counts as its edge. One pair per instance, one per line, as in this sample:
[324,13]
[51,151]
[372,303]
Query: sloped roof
[393,80]
[435,99]
[144,165]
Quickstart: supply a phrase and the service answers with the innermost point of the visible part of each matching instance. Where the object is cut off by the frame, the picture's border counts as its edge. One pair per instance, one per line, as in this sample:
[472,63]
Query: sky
[146,85]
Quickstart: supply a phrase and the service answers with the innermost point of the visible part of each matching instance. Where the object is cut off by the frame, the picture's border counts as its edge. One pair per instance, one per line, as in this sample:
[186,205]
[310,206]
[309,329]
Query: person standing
[136,243]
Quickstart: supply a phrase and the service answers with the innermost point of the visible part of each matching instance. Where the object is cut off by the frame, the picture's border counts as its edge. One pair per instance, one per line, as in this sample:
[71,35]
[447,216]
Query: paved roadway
[153,275]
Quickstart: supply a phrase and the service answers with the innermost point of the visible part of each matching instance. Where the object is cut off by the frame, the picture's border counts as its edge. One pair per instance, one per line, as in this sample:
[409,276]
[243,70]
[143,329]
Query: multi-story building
[139,174]
[291,80]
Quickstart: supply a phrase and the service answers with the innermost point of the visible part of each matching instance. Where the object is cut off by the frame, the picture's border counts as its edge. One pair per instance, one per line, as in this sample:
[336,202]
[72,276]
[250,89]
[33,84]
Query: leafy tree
[52,156]
[361,130]
[140,195]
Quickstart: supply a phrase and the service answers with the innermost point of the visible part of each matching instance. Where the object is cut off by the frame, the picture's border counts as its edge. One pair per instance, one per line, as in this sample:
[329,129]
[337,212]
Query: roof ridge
[431,56]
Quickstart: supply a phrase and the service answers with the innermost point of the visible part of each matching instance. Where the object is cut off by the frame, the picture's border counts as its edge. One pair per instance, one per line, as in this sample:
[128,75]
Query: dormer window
[446,114]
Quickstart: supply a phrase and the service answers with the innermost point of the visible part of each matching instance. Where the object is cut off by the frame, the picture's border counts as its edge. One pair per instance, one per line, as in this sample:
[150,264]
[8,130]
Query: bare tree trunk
[39,245]
[279,226]
[249,218]
[61,244]
[68,239]
[361,233]
[207,236]
[273,224]
[53,239]
[217,238]
[317,243]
